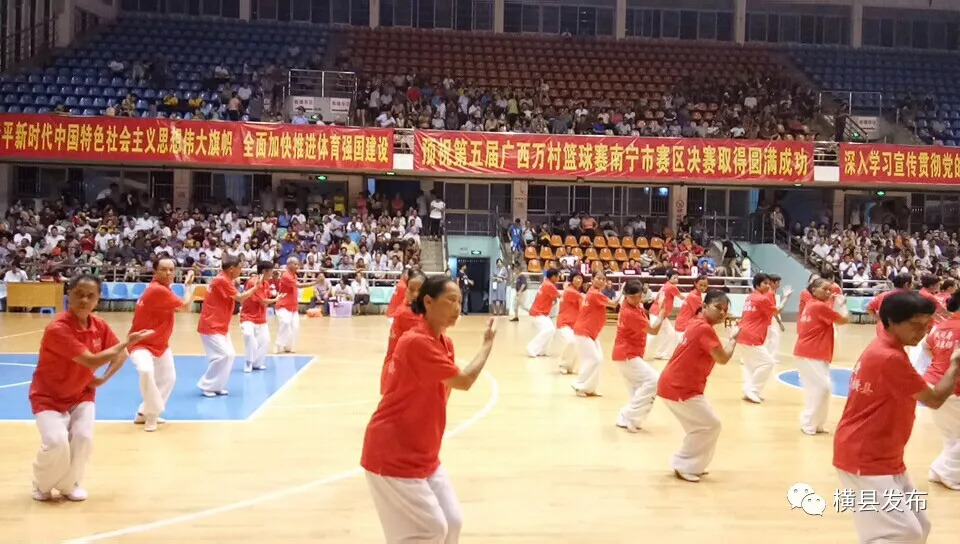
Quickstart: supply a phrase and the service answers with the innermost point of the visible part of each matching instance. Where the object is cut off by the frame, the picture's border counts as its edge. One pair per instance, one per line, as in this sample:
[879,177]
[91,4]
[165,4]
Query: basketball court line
[483,412]
[327,404]
[781,381]
[282,388]
[21,334]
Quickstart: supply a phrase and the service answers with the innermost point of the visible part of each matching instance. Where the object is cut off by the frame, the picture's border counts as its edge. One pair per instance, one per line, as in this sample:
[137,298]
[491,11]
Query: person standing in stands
[403,321]
[633,326]
[586,330]
[570,302]
[153,358]
[683,381]
[547,295]
[214,325]
[878,419]
[758,313]
[813,353]
[253,317]
[62,393]
[411,490]
[942,342]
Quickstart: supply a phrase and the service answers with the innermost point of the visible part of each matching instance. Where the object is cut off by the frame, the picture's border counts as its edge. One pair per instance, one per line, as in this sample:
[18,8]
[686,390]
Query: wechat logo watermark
[803,496]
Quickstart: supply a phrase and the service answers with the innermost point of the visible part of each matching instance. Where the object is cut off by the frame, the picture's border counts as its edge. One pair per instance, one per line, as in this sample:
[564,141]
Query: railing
[731,284]
[28,43]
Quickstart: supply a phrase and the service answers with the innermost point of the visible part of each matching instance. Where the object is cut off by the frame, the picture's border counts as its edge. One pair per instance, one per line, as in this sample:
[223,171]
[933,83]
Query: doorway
[478,269]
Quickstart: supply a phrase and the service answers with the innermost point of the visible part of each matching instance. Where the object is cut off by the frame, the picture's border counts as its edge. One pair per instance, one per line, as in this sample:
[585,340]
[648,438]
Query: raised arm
[722,354]
[94,361]
[467,376]
[934,398]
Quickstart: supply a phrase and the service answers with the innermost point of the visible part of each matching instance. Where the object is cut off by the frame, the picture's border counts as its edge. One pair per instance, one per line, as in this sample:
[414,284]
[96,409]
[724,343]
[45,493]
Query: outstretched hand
[491,331]
[137,336]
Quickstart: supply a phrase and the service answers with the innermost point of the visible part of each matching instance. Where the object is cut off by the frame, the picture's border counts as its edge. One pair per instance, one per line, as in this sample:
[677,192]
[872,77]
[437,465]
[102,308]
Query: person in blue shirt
[516,235]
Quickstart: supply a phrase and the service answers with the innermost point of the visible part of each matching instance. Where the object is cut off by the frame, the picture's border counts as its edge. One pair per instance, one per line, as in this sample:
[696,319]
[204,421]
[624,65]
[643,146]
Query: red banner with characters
[614,157]
[879,163]
[131,141]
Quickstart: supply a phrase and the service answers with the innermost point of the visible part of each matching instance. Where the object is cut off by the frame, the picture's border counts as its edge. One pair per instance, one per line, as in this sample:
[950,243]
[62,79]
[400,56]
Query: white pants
[815,379]
[591,360]
[545,330]
[773,341]
[902,525]
[757,367]
[947,419]
[568,349]
[256,343]
[661,345]
[919,357]
[157,377]
[220,354]
[417,510]
[66,440]
[641,381]
[700,422]
[288,330]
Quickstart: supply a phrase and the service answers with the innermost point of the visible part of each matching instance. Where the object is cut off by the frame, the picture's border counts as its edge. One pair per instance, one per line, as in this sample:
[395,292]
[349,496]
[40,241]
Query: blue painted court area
[839,378]
[119,398]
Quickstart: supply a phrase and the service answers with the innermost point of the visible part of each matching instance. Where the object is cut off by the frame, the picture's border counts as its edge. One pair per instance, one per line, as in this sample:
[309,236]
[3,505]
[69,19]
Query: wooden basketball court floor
[531,462]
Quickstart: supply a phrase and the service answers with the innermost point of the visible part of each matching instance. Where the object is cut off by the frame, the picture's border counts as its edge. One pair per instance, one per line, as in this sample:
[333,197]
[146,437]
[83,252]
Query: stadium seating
[595,69]
[900,76]
[80,79]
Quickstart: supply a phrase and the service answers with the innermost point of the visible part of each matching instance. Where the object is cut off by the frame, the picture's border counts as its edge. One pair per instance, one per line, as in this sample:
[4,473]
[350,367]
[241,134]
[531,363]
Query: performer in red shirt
[411,490]
[570,303]
[403,320]
[758,313]
[253,317]
[590,321]
[878,419]
[947,288]
[214,325]
[156,311]
[776,324]
[288,306]
[540,312]
[633,326]
[942,342]
[813,353]
[399,296]
[74,345]
[683,381]
[805,295]
[691,306]
[901,283]
[929,289]
[664,342]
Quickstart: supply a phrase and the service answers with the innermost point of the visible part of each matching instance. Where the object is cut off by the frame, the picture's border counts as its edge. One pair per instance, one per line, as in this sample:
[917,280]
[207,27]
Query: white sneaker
[752,398]
[141,419]
[808,432]
[247,368]
[150,425]
[77,494]
[686,477]
[209,394]
[41,496]
[260,367]
[564,370]
[223,392]
[627,424]
[937,479]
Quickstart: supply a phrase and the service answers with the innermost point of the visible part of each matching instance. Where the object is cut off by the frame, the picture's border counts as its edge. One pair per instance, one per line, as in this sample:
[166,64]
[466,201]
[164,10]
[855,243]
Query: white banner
[869,124]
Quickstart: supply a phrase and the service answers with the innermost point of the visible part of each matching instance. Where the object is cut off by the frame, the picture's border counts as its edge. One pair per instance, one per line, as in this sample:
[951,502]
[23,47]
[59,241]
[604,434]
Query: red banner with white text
[613,157]
[130,141]
[880,163]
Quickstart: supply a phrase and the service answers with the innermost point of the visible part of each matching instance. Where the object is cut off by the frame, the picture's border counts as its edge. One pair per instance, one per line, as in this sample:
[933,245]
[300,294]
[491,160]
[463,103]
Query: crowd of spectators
[681,251]
[867,258]
[755,107]
[120,235]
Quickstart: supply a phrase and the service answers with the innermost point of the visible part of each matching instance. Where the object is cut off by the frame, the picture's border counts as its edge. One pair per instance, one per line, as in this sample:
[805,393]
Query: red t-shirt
[288,288]
[670,292]
[218,306]
[592,316]
[569,307]
[404,435]
[685,375]
[758,312]
[156,311]
[943,340]
[815,331]
[398,299]
[688,310]
[546,296]
[631,339]
[878,418]
[925,293]
[59,383]
[805,297]
[403,321]
[875,303]
[251,310]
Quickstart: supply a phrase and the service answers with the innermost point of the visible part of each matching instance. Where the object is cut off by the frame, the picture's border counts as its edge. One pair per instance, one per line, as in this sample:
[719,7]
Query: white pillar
[740,21]
[6,184]
[620,20]
[64,24]
[520,196]
[246,10]
[498,9]
[856,23]
[374,13]
[182,188]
